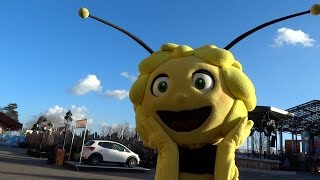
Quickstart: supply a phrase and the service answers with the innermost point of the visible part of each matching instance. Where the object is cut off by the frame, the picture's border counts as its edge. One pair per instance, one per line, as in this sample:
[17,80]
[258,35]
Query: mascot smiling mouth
[185,121]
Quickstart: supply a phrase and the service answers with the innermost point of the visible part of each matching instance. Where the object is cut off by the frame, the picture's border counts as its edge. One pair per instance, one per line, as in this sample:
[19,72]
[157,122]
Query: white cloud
[126,75]
[57,114]
[118,94]
[293,37]
[54,110]
[104,124]
[90,121]
[78,112]
[90,83]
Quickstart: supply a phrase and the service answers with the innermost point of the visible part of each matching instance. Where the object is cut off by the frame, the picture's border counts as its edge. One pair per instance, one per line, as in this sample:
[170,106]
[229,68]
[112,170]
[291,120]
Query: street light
[67,118]
[67,121]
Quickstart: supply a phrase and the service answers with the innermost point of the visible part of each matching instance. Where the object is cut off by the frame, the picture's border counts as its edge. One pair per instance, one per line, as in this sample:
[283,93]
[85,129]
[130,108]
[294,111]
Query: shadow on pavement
[25,176]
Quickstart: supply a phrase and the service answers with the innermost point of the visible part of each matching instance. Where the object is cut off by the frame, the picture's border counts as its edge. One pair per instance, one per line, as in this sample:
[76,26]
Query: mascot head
[196,95]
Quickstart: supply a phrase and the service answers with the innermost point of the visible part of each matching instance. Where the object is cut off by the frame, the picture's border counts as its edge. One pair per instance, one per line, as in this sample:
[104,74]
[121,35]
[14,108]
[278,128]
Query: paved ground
[244,175]
[15,164]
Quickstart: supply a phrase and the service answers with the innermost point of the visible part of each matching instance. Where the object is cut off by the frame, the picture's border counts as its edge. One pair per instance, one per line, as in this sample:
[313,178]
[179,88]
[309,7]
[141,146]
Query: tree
[11,111]
[42,124]
[106,131]
[122,130]
[258,144]
[29,124]
[55,119]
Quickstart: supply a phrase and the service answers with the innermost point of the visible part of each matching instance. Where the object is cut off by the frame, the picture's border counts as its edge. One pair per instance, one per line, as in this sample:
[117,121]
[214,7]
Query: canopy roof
[7,122]
[302,118]
[267,118]
[269,112]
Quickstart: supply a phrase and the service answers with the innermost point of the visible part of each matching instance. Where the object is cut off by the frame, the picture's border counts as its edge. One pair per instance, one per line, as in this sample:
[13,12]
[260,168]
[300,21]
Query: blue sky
[52,60]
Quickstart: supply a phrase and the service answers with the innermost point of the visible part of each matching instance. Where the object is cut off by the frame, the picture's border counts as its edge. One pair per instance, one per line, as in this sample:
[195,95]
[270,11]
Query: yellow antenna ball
[315,9]
[84,12]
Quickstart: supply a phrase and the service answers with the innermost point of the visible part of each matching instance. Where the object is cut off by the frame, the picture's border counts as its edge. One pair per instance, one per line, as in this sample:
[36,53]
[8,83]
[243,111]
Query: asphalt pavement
[16,164]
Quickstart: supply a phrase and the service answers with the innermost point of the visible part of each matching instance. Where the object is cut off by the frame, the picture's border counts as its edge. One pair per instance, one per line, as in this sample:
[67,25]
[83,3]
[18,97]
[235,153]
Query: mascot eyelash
[192,106]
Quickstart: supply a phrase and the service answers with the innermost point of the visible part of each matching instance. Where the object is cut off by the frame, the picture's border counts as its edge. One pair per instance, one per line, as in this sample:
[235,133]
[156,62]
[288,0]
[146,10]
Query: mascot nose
[181,97]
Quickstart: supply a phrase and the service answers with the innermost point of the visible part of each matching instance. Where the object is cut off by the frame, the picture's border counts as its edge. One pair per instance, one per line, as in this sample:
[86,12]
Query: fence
[44,142]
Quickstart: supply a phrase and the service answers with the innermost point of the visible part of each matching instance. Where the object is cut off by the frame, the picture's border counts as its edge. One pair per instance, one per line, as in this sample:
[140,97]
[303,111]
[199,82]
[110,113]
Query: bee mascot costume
[192,106]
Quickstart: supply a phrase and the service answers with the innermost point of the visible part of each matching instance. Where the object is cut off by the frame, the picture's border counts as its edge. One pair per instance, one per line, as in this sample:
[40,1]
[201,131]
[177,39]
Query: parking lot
[16,164]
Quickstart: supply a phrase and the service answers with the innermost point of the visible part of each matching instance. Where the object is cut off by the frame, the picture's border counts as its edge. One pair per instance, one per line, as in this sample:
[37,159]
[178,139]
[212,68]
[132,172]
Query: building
[8,124]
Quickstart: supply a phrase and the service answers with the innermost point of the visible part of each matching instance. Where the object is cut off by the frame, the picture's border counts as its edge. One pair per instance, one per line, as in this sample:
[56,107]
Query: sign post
[82,124]
[71,145]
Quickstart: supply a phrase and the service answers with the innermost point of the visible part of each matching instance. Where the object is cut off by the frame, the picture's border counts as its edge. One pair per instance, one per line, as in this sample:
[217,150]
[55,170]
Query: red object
[60,156]
[90,148]
[6,122]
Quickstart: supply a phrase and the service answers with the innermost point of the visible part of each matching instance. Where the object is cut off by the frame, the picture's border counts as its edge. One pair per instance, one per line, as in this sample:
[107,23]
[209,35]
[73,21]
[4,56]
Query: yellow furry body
[179,79]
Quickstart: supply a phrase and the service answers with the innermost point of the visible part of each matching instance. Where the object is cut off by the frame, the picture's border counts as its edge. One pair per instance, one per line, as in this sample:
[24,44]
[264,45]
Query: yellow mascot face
[194,94]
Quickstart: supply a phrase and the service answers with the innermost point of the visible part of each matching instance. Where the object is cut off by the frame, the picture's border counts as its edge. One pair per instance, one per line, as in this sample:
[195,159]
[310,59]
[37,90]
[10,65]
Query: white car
[98,151]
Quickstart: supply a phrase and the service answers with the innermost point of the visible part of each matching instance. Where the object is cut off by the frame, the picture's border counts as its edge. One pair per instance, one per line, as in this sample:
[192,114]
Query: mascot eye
[203,80]
[160,85]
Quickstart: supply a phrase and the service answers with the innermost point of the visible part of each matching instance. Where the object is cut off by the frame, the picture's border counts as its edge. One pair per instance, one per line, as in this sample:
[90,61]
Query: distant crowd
[289,161]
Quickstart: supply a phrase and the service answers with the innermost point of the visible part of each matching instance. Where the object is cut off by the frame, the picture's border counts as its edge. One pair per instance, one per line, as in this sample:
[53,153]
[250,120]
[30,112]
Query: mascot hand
[152,134]
[225,168]
[236,137]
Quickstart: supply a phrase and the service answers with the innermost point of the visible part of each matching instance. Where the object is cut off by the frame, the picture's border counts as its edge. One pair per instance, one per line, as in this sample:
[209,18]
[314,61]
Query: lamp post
[67,122]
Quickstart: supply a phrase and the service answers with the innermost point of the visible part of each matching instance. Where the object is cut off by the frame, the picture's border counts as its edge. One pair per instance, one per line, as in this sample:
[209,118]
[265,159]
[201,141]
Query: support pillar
[252,144]
[260,144]
[292,144]
[281,139]
[276,143]
[268,145]
[296,143]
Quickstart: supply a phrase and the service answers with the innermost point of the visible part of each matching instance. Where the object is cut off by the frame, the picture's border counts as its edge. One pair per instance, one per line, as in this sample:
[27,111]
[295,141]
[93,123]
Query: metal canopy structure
[301,118]
[268,118]
[306,119]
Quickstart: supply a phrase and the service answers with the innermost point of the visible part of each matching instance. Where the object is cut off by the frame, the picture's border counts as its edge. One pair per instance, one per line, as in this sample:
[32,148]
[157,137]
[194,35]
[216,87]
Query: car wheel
[95,160]
[132,162]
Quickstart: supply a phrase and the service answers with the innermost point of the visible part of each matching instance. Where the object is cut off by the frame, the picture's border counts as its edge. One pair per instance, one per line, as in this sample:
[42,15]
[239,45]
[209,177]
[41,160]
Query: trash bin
[60,156]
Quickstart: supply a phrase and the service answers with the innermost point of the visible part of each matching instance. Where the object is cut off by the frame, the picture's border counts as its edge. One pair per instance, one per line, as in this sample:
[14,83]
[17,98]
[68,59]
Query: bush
[75,156]
[51,157]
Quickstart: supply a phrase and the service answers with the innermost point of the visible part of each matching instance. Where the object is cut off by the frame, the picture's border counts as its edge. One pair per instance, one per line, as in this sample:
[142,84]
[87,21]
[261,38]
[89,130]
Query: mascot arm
[168,163]
[153,136]
[225,168]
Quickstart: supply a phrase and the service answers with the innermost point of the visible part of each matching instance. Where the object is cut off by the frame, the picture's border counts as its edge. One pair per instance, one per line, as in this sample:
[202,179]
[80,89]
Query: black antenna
[84,13]
[315,10]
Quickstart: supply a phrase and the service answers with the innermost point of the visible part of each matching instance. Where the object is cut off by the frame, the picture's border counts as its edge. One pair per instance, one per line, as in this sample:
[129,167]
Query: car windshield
[89,143]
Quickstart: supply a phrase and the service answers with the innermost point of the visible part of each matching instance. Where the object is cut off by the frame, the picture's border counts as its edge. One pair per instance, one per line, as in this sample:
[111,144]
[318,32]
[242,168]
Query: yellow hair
[237,82]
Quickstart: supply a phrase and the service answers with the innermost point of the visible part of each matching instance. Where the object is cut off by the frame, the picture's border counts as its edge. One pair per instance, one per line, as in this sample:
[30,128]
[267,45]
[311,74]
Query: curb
[274,172]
